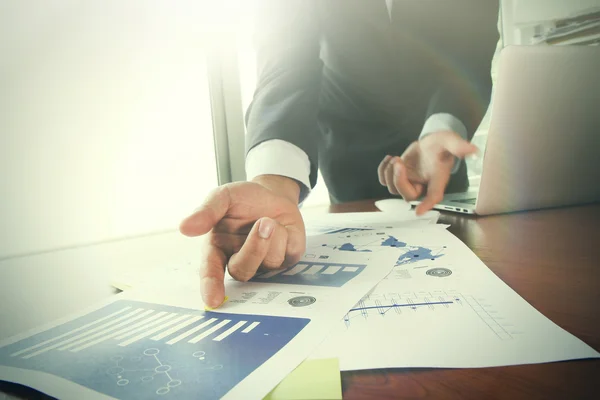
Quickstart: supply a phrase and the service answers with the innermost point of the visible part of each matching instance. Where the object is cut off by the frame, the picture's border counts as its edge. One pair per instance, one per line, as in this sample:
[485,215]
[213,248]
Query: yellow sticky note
[313,379]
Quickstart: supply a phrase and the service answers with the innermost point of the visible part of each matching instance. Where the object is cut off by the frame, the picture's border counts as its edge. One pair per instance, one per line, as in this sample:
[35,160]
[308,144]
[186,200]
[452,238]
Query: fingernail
[265,227]
[210,308]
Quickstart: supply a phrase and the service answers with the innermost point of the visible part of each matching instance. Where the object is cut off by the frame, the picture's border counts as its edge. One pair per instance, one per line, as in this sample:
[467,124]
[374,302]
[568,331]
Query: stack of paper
[373,290]
[438,304]
[152,341]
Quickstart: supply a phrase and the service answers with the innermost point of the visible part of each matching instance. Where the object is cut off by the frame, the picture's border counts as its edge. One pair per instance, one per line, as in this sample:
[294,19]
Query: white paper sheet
[151,342]
[441,307]
[348,222]
[186,270]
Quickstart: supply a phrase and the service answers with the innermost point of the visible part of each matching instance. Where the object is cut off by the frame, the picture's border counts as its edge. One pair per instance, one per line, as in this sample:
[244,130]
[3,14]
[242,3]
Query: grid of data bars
[310,269]
[130,325]
[315,273]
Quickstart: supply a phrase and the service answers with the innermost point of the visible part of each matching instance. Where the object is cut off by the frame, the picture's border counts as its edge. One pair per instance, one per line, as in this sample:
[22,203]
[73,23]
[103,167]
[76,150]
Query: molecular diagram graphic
[120,372]
[200,356]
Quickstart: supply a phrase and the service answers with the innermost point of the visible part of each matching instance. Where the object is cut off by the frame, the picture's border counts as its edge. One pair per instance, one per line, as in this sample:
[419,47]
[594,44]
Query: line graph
[381,304]
[384,309]
[394,305]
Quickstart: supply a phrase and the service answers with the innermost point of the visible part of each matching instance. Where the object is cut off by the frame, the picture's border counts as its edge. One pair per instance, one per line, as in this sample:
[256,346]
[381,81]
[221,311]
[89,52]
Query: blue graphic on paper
[328,230]
[135,350]
[393,242]
[350,247]
[313,273]
[414,253]
[348,230]
[389,242]
[418,253]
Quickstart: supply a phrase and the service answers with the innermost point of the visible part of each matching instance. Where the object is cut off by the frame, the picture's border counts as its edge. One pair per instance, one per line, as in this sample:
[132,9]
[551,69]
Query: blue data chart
[348,230]
[351,247]
[419,253]
[313,273]
[135,350]
[380,240]
[328,230]
[366,244]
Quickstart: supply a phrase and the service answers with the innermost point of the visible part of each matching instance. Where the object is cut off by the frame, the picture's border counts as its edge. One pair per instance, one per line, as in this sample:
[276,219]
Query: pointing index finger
[435,191]
[212,274]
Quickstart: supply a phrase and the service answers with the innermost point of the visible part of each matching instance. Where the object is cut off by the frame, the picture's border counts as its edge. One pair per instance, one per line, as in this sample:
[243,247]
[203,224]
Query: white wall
[105,126]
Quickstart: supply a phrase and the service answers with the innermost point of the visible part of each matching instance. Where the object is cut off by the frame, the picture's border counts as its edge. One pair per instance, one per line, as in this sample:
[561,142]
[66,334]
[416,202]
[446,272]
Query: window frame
[227,111]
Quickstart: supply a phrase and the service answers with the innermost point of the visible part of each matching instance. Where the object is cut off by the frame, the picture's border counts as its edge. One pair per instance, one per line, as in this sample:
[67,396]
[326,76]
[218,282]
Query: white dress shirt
[278,157]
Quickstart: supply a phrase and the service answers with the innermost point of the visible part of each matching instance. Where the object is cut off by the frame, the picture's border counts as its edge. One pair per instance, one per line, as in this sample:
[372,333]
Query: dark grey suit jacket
[345,84]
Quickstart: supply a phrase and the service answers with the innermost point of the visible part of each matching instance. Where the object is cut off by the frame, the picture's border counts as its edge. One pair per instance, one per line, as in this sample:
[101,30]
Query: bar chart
[313,273]
[146,350]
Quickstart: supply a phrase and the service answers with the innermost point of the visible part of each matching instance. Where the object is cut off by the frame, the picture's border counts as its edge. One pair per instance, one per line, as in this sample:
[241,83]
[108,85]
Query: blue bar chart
[141,350]
[313,273]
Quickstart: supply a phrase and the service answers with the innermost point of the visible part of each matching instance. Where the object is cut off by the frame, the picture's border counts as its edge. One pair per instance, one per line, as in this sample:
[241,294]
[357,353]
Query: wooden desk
[552,259]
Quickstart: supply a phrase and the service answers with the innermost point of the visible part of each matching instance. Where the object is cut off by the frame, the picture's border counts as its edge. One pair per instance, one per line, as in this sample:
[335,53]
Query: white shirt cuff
[445,122]
[278,157]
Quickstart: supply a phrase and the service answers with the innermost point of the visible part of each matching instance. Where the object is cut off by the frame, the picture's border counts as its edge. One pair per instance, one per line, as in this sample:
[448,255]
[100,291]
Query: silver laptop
[543,145]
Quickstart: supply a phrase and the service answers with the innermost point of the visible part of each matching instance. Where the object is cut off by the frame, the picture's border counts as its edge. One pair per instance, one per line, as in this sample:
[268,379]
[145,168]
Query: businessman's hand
[425,165]
[248,225]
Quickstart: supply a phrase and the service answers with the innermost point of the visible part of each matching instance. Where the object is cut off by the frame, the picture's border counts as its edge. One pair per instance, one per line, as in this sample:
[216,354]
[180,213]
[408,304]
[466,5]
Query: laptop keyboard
[466,201]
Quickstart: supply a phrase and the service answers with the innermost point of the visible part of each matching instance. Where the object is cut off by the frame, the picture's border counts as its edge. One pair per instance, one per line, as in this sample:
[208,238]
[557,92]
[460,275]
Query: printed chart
[315,229]
[420,253]
[440,306]
[348,230]
[313,273]
[138,350]
[395,305]
[374,240]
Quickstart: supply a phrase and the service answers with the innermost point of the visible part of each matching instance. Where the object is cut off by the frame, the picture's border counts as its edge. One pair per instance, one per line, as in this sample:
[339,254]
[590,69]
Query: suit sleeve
[289,67]
[465,84]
